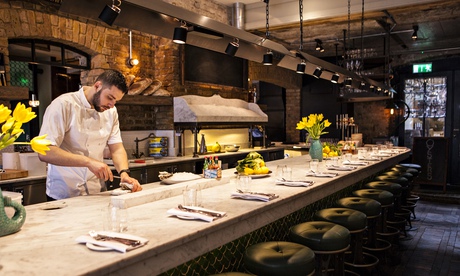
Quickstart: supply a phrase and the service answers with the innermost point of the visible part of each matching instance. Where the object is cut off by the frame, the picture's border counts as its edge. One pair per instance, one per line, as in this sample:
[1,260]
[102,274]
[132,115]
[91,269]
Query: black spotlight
[301,67]
[232,47]
[268,58]
[180,35]
[317,73]
[335,78]
[110,13]
[348,82]
[414,34]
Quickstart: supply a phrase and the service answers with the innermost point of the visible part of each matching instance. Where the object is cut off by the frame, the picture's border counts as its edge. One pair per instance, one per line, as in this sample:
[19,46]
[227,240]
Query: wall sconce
[131,61]
[34,102]
[301,67]
[317,73]
[232,47]
[110,13]
[414,34]
[268,58]
[391,106]
[180,33]
[335,78]
[348,82]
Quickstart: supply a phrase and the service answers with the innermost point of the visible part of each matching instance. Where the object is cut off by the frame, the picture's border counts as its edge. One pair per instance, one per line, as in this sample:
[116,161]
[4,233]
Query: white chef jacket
[73,125]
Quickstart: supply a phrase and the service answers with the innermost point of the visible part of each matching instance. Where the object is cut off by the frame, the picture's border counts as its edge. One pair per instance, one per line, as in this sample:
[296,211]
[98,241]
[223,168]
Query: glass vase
[316,149]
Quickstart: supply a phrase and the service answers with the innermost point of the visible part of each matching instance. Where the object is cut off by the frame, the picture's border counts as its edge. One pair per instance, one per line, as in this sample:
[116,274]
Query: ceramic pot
[14,224]
[316,149]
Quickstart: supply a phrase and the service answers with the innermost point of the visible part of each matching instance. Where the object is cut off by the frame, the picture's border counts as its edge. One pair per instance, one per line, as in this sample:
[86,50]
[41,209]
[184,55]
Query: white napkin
[192,215]
[254,196]
[341,168]
[118,246]
[356,163]
[321,174]
[381,155]
[294,183]
[371,158]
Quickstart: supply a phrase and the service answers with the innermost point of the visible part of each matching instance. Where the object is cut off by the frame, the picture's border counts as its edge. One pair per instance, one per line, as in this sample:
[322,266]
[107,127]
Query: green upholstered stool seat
[391,187]
[404,182]
[321,236]
[384,197]
[413,166]
[372,208]
[354,221]
[404,174]
[328,240]
[279,258]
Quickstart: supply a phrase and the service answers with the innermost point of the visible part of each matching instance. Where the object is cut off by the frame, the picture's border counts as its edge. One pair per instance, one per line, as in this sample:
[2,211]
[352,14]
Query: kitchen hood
[160,18]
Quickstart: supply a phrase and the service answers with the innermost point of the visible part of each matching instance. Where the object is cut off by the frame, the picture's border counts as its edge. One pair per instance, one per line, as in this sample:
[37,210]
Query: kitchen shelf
[8,93]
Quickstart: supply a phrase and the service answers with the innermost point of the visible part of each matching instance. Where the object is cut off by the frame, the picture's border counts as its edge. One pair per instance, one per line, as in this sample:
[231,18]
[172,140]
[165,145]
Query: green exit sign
[422,68]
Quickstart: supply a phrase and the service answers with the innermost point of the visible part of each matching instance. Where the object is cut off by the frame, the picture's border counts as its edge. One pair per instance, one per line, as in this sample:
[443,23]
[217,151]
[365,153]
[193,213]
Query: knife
[199,211]
[125,241]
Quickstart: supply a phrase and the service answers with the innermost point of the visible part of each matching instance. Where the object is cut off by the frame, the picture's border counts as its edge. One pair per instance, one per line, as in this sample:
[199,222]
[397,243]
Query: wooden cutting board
[11,174]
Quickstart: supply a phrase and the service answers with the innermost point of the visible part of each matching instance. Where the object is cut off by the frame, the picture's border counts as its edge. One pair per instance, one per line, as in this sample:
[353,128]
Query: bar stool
[356,223]
[391,187]
[279,258]
[231,274]
[372,208]
[328,240]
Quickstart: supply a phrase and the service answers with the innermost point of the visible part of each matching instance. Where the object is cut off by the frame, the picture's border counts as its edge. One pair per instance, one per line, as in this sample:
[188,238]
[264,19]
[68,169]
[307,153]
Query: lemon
[248,171]
[216,147]
[264,170]
[326,149]
[258,171]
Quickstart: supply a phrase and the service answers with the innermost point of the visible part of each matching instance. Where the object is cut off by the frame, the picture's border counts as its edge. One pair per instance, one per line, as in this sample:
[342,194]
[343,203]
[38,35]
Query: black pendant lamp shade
[110,13]
[180,35]
[335,78]
[268,58]
[232,47]
[301,67]
[348,82]
[317,73]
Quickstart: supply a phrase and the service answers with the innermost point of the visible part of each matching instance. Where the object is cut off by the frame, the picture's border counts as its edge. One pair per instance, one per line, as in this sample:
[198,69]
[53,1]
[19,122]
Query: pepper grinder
[203,148]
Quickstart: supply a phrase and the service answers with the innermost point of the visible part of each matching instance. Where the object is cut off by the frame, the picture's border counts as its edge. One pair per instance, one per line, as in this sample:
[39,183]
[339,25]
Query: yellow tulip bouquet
[12,128]
[314,125]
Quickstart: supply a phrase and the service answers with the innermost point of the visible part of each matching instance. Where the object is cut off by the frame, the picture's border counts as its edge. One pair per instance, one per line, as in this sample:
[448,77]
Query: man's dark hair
[113,77]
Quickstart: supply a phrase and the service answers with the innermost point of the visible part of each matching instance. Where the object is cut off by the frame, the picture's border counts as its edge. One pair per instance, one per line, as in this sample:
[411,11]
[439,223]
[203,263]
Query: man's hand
[101,170]
[127,179]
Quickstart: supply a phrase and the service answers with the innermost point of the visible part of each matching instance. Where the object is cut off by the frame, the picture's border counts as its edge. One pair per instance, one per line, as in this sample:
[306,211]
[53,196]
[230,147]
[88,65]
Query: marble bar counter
[46,243]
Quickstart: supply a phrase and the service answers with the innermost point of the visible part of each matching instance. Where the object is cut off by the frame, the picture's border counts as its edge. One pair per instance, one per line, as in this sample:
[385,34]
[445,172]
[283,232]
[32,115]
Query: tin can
[158,152]
[158,142]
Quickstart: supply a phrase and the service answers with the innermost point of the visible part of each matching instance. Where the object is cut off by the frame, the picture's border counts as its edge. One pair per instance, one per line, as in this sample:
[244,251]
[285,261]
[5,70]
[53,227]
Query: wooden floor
[433,245]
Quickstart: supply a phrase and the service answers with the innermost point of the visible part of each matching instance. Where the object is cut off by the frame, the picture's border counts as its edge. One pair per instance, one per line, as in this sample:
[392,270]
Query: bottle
[205,164]
[203,148]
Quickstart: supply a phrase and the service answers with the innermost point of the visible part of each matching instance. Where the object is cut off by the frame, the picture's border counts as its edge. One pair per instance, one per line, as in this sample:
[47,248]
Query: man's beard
[96,102]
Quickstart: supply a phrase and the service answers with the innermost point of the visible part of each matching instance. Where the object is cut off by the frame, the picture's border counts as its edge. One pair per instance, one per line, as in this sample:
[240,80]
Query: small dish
[53,205]
[97,247]
[186,217]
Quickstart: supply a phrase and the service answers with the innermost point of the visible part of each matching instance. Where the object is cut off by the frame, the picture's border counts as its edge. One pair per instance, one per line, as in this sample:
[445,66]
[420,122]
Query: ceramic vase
[14,224]
[316,149]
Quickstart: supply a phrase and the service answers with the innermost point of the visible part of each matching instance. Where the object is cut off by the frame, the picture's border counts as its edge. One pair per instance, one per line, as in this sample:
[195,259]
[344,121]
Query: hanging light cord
[267,27]
[301,24]
[362,37]
[348,33]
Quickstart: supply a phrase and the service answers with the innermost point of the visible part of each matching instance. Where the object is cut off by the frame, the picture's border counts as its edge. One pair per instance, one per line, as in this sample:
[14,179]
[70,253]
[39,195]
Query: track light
[317,73]
[301,67]
[34,102]
[348,82]
[180,34]
[268,58]
[131,61]
[232,47]
[414,34]
[321,49]
[363,84]
[335,78]
[110,13]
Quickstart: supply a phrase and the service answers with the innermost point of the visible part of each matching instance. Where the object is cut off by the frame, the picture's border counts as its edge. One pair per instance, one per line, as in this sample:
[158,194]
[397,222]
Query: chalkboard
[207,66]
[432,154]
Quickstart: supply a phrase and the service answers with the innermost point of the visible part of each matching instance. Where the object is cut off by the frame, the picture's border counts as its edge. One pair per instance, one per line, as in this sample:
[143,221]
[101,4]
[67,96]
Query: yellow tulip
[4,113]
[23,114]
[40,144]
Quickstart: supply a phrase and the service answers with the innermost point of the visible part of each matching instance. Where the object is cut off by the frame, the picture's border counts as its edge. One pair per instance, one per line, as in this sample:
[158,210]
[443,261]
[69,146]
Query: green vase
[14,224]
[316,149]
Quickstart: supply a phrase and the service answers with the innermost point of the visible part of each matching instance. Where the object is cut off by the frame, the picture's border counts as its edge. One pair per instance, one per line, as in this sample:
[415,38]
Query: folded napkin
[113,244]
[341,168]
[370,158]
[254,196]
[322,174]
[197,213]
[382,154]
[294,183]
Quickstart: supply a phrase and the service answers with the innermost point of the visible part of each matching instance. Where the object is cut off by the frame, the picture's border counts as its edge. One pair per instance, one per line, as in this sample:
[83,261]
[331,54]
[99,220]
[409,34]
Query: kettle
[203,148]
[14,224]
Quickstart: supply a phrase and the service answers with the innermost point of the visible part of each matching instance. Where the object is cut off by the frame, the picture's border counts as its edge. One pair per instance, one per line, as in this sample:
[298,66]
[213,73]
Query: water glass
[287,173]
[314,165]
[190,196]
[115,218]
[243,183]
[348,156]
[375,150]
[279,171]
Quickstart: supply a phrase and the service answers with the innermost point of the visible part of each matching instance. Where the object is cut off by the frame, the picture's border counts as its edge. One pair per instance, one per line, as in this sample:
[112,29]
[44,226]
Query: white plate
[186,217]
[255,176]
[97,247]
[180,177]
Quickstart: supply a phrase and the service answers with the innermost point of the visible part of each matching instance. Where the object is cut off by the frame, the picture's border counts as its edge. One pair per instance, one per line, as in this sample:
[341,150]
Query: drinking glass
[115,218]
[243,182]
[190,196]
[314,165]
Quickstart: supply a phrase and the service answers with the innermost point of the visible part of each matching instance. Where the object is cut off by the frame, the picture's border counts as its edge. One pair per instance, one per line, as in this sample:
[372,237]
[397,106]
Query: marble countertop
[46,243]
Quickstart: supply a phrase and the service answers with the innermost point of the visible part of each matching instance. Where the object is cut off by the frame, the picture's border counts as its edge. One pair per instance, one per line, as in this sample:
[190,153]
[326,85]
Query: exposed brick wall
[374,120]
